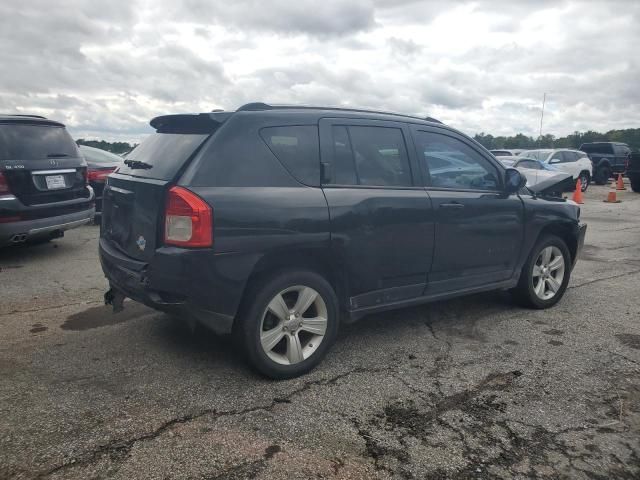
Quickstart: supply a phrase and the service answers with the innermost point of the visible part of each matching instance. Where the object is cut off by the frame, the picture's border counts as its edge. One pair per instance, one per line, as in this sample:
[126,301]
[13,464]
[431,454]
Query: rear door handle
[452,205]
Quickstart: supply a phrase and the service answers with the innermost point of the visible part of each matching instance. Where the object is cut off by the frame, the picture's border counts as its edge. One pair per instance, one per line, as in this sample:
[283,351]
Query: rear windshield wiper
[57,155]
[138,164]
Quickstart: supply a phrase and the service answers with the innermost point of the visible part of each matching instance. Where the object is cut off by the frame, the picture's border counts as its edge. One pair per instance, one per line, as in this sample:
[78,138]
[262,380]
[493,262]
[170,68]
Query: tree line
[630,136]
[114,147]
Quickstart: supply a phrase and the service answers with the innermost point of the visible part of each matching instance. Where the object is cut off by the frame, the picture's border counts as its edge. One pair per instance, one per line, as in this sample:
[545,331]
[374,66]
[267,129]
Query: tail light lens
[188,220]
[4,185]
[99,175]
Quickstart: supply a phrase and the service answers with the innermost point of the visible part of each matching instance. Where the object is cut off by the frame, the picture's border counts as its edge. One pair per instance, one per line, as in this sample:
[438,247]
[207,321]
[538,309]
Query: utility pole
[544,100]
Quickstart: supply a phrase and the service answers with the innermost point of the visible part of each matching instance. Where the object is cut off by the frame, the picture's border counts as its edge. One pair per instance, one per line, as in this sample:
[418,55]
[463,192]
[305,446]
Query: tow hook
[115,298]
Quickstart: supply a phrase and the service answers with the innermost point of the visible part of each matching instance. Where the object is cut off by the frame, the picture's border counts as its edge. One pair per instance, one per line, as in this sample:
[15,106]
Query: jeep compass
[278,223]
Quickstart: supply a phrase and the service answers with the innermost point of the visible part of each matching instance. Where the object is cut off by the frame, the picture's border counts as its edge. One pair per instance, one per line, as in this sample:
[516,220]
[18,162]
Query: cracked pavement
[470,388]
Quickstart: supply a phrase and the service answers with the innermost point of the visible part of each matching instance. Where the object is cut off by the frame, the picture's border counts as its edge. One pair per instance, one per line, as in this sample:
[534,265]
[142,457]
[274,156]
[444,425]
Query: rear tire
[288,323]
[602,175]
[634,179]
[545,275]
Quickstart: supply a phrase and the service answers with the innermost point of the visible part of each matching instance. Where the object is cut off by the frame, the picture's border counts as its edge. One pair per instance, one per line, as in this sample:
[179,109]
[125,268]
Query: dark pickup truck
[633,171]
[608,158]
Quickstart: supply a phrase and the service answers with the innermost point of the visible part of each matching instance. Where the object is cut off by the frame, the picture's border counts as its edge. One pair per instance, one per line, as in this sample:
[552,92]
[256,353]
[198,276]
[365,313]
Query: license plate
[55,181]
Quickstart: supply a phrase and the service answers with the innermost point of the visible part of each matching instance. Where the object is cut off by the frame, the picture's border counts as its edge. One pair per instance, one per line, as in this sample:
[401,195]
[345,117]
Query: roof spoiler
[194,123]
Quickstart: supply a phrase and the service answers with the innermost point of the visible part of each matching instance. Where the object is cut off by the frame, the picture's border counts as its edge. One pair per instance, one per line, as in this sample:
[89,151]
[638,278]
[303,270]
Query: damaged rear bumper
[129,278]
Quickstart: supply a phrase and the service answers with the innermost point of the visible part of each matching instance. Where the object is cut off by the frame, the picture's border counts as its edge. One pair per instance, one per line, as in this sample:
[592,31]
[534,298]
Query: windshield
[507,162]
[35,142]
[95,155]
[163,153]
[536,154]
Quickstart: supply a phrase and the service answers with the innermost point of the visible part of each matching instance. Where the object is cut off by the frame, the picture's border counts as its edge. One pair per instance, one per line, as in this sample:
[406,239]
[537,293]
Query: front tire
[584,180]
[288,324]
[545,275]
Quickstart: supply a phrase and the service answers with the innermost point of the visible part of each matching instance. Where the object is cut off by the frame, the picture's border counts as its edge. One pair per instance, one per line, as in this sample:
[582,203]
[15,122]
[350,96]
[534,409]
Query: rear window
[597,148]
[35,142]
[298,149]
[164,153]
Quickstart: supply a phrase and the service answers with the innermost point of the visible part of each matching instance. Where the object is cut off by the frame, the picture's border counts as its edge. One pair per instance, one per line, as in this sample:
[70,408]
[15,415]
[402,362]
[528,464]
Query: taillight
[4,185]
[188,220]
[99,175]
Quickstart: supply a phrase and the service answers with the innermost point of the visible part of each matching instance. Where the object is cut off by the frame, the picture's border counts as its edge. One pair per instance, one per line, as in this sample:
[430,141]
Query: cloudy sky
[106,68]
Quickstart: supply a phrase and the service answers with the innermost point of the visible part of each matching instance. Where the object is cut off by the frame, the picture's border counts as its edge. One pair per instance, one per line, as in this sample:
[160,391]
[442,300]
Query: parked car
[278,223]
[100,163]
[538,173]
[571,161]
[608,158]
[633,171]
[506,153]
[43,183]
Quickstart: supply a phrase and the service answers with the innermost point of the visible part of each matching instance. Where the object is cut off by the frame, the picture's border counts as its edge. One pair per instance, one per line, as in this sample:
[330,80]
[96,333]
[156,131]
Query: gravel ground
[469,388]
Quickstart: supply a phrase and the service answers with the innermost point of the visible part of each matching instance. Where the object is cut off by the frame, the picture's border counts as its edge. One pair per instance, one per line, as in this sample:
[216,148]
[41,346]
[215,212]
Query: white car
[574,162]
[537,172]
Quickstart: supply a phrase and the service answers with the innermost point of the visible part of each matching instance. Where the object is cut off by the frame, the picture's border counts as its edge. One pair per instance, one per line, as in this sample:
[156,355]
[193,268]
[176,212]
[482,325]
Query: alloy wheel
[584,181]
[293,325]
[548,272]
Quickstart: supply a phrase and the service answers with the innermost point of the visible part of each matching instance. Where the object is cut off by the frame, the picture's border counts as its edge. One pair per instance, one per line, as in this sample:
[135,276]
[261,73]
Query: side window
[298,149]
[569,157]
[453,164]
[375,156]
[344,167]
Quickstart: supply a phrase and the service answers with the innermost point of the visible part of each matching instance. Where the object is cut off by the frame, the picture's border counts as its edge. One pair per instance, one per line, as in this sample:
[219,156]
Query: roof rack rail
[23,115]
[259,106]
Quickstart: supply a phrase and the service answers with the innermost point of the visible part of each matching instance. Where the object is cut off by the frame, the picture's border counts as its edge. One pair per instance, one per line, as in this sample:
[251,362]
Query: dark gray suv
[43,180]
[278,223]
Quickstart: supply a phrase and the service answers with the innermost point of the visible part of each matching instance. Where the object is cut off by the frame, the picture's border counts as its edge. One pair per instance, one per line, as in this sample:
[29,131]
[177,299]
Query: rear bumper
[17,232]
[197,284]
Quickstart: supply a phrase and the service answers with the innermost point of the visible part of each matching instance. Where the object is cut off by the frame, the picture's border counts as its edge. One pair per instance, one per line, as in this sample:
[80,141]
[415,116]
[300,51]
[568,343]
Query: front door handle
[452,205]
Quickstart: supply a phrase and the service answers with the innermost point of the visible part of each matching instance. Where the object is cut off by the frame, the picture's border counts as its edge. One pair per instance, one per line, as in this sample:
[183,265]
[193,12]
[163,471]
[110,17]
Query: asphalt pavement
[470,388]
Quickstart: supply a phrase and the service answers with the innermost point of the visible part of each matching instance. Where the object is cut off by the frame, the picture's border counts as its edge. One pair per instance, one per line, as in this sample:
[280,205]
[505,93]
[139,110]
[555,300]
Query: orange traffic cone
[611,198]
[620,184]
[577,193]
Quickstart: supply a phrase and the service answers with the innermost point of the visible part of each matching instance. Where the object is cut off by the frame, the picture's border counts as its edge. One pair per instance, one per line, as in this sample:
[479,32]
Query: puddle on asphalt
[103,316]
[629,340]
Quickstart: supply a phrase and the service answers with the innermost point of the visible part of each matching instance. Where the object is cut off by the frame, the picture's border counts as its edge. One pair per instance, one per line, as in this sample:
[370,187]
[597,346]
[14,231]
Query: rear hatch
[40,161]
[134,197]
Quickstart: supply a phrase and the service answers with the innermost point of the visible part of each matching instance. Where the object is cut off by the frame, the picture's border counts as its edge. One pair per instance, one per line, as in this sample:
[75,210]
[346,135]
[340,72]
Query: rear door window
[162,155]
[569,157]
[35,142]
[370,155]
[298,149]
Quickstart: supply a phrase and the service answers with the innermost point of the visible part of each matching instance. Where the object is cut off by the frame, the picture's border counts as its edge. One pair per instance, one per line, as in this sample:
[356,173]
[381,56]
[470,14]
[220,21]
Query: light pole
[544,100]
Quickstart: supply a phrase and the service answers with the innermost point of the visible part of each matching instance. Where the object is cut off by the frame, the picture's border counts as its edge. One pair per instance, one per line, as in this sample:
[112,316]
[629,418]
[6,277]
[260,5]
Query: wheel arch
[563,231]
[309,259]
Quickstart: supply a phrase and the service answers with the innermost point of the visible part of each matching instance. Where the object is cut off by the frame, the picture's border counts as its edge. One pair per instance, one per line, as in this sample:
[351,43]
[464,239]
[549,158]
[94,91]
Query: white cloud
[479,66]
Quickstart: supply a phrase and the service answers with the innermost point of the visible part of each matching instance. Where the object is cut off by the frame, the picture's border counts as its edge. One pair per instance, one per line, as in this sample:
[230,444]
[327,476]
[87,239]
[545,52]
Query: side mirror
[554,160]
[513,180]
